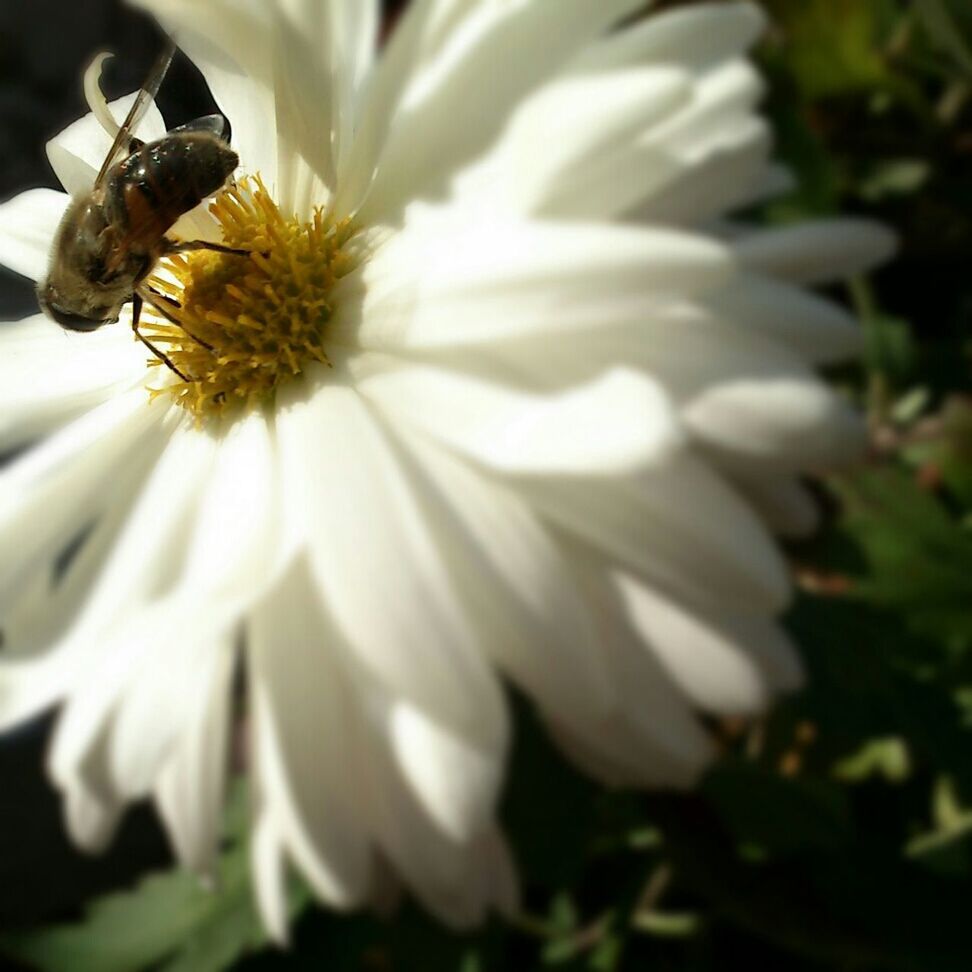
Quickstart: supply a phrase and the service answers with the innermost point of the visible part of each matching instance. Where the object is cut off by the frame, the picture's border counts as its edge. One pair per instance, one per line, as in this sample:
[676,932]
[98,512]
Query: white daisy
[550,404]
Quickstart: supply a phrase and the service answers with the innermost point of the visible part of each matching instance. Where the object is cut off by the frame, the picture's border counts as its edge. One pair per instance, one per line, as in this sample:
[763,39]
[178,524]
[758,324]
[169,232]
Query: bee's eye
[73,321]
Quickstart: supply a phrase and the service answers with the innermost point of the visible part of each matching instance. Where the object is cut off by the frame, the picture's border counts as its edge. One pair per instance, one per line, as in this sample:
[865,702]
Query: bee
[109,240]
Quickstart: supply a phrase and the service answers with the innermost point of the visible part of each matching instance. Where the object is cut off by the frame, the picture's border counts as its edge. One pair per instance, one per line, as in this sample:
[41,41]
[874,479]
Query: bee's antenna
[94,94]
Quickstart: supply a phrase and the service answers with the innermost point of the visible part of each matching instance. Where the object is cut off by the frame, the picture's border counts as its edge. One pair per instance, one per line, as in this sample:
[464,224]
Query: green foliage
[838,833]
[834,47]
[171,921]
[949,25]
[919,561]
[136,929]
[886,759]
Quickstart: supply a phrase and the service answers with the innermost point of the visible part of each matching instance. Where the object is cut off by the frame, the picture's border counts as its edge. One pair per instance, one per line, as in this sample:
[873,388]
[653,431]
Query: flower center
[237,325]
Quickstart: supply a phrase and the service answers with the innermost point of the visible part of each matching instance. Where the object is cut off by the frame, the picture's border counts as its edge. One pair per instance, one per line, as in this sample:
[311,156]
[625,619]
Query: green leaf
[668,924]
[779,815]
[871,676]
[563,915]
[947,447]
[471,963]
[169,921]
[890,352]
[607,954]
[944,23]
[919,560]
[890,349]
[894,177]
[887,758]
[833,47]
[165,914]
[846,909]
[947,847]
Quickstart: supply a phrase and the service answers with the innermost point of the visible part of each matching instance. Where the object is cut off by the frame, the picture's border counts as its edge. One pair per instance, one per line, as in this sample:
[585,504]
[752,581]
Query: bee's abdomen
[152,188]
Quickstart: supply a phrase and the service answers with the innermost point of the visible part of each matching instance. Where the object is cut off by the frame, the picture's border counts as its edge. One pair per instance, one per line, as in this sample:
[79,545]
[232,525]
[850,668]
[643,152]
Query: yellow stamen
[243,324]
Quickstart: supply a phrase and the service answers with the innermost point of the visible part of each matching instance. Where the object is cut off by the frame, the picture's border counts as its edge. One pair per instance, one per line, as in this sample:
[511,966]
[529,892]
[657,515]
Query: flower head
[495,392]
[238,324]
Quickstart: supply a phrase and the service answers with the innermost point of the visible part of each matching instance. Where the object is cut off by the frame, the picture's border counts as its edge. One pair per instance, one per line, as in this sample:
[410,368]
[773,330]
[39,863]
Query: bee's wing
[120,147]
[212,124]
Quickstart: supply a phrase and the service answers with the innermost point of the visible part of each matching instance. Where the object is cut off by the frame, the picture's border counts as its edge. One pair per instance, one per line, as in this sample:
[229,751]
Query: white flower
[566,403]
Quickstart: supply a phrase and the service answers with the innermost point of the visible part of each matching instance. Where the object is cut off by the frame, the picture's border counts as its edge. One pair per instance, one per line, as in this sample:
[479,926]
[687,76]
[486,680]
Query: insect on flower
[505,392]
[110,239]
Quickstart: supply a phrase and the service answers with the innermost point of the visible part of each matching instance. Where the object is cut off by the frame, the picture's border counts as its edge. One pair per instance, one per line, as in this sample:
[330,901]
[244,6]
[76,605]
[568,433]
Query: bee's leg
[136,316]
[165,306]
[193,245]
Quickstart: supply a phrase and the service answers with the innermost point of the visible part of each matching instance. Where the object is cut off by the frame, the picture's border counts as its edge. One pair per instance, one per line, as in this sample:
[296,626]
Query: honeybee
[109,240]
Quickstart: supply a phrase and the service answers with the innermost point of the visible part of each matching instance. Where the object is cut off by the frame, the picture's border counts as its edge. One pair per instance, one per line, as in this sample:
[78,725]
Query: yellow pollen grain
[242,324]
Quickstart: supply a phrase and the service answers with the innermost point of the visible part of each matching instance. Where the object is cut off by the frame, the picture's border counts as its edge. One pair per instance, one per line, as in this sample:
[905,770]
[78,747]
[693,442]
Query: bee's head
[74,314]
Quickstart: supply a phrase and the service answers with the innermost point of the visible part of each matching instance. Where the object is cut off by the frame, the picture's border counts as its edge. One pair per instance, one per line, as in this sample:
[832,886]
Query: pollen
[237,325]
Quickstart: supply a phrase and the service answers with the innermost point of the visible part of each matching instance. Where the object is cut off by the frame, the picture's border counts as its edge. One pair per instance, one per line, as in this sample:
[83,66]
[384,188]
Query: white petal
[456,781]
[818,329]
[268,864]
[705,156]
[612,184]
[380,96]
[435,867]
[652,737]
[368,538]
[728,174]
[784,503]
[92,811]
[614,423]
[723,104]
[48,495]
[677,524]
[685,158]
[722,663]
[148,554]
[516,584]
[347,34]
[231,559]
[699,36]
[235,549]
[191,789]
[43,609]
[423,29]
[49,376]
[499,869]
[27,226]
[566,132]
[230,41]
[820,252]
[779,180]
[143,562]
[438,284]
[686,347]
[162,692]
[622,753]
[77,153]
[90,821]
[321,53]
[650,702]
[488,63]
[145,683]
[789,423]
[306,740]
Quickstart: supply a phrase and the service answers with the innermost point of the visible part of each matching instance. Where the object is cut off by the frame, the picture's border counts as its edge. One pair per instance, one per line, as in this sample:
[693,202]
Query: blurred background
[835,835]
